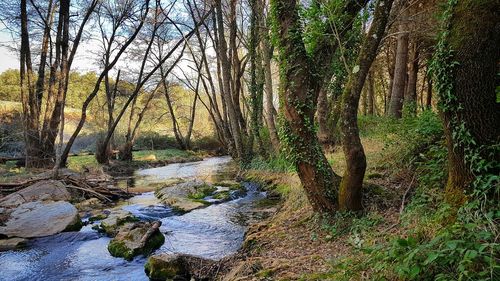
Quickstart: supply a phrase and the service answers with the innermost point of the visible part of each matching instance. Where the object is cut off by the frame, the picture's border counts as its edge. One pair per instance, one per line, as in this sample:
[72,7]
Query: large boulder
[186,196]
[49,190]
[37,219]
[179,267]
[133,239]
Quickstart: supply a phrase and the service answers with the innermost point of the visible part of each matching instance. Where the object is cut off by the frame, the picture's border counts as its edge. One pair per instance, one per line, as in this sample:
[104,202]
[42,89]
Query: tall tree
[465,68]
[300,86]
[267,54]
[410,99]
[350,193]
[400,67]
[45,120]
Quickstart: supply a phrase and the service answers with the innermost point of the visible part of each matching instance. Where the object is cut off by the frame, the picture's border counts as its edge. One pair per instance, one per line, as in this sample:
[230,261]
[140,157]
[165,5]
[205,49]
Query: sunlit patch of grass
[78,163]
[165,154]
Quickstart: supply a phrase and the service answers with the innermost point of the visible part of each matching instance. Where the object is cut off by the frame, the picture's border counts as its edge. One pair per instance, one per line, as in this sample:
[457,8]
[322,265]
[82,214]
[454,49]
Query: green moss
[202,191]
[75,226]
[205,202]
[111,230]
[97,218]
[266,202]
[153,243]
[223,195]
[157,269]
[119,249]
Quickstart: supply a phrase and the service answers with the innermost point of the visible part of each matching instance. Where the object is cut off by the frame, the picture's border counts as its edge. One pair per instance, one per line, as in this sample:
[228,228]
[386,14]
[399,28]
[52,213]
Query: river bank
[212,230]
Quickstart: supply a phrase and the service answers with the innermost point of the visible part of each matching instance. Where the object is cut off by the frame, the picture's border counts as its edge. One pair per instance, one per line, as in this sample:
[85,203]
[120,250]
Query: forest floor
[298,244]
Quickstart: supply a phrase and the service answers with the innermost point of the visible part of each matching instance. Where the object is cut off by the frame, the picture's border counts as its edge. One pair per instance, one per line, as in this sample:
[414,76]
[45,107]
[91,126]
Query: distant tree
[9,85]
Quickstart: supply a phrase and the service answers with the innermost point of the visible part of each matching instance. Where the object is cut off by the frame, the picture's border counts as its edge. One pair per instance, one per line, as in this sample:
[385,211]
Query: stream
[212,232]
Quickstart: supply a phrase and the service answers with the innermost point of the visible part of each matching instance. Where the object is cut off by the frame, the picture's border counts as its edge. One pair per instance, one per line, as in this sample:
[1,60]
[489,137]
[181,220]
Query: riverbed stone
[166,266]
[129,243]
[38,219]
[113,219]
[49,190]
[185,196]
[12,244]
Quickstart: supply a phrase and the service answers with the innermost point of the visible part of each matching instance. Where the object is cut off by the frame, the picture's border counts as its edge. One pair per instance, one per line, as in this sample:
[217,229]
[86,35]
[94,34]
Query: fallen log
[155,227]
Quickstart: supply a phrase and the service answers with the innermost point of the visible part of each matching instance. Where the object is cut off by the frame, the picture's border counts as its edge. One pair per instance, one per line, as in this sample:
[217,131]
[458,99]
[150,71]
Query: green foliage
[348,223]
[9,85]
[404,138]
[435,242]
[275,163]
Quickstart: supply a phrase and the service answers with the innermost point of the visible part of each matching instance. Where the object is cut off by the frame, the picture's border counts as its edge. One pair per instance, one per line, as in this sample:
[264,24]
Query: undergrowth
[433,240]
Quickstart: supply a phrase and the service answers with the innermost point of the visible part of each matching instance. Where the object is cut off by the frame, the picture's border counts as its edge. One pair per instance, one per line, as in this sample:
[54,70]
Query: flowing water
[212,232]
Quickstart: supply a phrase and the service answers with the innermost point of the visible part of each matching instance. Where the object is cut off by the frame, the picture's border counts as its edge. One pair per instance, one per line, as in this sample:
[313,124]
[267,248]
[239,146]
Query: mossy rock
[223,195]
[99,217]
[202,191]
[75,226]
[127,243]
[165,267]
[111,224]
[232,185]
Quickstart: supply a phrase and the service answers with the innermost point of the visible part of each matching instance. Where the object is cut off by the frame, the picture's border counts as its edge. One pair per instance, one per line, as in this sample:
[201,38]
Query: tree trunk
[34,156]
[350,193]
[364,101]
[399,82]
[428,100]
[325,136]
[391,65]
[371,94]
[225,65]
[125,152]
[411,93]
[267,52]
[472,114]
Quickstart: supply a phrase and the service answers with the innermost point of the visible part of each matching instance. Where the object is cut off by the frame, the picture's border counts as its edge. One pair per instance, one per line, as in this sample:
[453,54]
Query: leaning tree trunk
[350,193]
[399,82]
[302,77]
[298,108]
[466,79]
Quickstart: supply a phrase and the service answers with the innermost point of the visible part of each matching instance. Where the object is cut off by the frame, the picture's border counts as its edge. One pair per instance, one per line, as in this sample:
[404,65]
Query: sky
[8,59]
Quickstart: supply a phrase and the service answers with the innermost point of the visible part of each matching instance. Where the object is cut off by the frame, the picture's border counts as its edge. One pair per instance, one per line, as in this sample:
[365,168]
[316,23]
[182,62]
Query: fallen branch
[155,227]
[97,194]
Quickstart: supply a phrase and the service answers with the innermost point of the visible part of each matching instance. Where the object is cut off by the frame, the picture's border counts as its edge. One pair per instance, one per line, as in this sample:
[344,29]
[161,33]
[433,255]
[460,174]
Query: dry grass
[295,244]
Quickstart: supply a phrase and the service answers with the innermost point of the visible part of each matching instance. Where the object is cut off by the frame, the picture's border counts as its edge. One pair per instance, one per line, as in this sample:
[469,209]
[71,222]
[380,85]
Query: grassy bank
[406,232]
[81,163]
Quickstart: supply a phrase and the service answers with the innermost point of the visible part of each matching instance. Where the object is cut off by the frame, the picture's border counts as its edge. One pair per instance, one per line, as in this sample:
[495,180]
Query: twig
[97,194]
[404,196]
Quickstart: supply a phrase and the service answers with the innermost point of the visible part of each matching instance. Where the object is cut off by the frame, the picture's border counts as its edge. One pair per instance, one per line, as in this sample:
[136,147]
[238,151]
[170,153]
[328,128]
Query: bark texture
[350,193]
[400,68]
[474,37]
